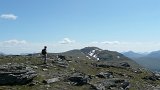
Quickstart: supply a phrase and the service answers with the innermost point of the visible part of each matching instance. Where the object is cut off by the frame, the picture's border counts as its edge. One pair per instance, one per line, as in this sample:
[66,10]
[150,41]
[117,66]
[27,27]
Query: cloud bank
[15,46]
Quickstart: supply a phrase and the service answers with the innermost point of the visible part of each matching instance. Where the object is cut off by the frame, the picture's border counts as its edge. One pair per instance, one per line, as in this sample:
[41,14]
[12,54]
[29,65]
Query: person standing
[44,53]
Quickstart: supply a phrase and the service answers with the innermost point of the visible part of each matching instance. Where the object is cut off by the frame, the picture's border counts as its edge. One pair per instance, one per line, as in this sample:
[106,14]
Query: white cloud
[14,46]
[94,42]
[9,16]
[15,42]
[66,41]
[111,42]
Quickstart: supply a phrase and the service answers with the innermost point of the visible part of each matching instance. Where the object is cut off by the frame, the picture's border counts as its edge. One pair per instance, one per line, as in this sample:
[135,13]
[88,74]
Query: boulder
[16,74]
[124,64]
[97,87]
[44,69]
[113,84]
[103,65]
[153,77]
[35,67]
[157,75]
[115,65]
[105,75]
[157,87]
[62,64]
[52,80]
[79,79]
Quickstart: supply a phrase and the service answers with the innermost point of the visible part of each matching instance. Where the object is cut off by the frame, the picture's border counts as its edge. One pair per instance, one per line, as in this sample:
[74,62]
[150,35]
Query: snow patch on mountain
[92,53]
[95,56]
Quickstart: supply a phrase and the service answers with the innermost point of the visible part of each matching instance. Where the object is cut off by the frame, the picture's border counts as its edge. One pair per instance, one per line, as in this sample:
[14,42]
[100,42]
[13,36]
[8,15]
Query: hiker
[44,53]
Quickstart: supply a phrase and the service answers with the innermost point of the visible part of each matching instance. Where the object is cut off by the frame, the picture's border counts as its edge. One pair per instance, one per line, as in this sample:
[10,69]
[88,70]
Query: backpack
[43,51]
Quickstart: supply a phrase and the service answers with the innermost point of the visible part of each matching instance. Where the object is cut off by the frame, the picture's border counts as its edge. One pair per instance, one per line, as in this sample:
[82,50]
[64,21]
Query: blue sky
[69,24]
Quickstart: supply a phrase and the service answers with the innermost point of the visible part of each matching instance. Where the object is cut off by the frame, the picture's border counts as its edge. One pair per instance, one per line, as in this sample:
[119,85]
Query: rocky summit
[89,68]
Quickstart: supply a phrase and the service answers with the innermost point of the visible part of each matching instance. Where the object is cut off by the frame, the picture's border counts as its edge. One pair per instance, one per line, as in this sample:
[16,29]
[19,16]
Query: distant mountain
[154,54]
[100,54]
[2,54]
[133,55]
[94,53]
[150,61]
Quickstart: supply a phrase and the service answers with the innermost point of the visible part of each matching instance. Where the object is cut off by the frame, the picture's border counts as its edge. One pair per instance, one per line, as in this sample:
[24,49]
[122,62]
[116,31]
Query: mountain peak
[92,48]
[89,49]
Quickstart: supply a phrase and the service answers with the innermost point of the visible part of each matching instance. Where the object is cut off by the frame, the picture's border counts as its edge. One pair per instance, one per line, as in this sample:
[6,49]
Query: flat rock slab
[111,84]
[52,80]
[16,74]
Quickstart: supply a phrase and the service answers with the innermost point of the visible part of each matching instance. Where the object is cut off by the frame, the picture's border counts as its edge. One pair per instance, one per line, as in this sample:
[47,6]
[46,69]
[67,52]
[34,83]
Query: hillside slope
[82,71]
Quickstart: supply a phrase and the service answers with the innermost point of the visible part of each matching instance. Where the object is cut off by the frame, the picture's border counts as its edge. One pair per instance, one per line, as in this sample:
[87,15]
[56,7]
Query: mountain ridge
[150,61]
[97,54]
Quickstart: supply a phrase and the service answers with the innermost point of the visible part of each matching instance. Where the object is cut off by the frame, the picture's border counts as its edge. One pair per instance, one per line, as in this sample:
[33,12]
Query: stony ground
[82,74]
